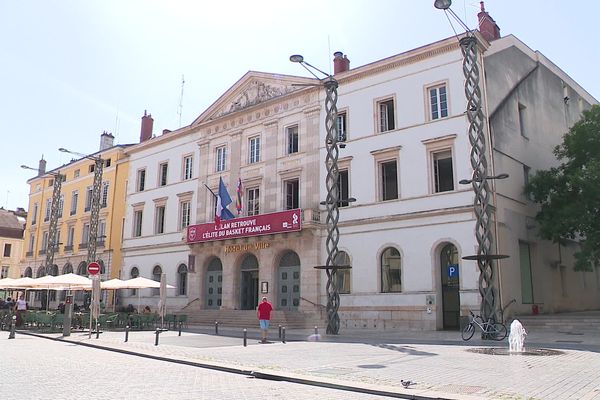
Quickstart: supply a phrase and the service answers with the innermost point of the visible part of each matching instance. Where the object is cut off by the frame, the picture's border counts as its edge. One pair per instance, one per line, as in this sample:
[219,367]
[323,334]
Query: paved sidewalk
[440,364]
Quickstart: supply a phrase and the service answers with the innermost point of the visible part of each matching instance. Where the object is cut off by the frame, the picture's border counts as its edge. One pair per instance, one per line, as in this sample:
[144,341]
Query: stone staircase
[571,323]
[247,318]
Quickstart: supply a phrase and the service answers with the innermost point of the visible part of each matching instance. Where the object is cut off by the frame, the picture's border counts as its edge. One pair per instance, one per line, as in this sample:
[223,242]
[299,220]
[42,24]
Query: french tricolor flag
[223,200]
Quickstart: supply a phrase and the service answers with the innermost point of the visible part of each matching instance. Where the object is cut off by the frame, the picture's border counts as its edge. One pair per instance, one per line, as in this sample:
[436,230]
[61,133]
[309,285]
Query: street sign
[453,271]
[93,268]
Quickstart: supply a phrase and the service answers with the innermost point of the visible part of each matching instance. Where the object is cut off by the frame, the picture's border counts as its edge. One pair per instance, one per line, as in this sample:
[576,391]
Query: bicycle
[490,328]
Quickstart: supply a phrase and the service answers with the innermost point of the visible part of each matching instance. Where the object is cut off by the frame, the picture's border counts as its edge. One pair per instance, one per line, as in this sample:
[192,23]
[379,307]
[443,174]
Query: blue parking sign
[452,271]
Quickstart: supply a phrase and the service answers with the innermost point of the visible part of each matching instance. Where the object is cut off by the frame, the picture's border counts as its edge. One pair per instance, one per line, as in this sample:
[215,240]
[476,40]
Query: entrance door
[214,284]
[249,283]
[288,294]
[450,287]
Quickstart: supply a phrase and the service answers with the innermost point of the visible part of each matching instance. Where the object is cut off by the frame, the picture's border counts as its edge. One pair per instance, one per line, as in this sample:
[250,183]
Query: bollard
[156,340]
[97,330]
[126,333]
[279,331]
[283,333]
[13,323]
[180,325]
[316,330]
[245,337]
[216,327]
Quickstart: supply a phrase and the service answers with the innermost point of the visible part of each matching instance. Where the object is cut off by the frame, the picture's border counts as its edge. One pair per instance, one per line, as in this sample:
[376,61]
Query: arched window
[156,273]
[391,271]
[82,268]
[250,263]
[134,274]
[40,272]
[68,268]
[182,279]
[289,259]
[28,273]
[342,275]
[54,270]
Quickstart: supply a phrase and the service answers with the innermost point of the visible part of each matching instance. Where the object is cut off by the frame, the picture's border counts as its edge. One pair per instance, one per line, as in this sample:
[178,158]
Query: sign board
[93,268]
[452,271]
[256,225]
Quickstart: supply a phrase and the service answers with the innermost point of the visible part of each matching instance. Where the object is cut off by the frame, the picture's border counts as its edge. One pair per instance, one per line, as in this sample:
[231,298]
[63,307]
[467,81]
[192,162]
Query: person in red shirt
[263,313]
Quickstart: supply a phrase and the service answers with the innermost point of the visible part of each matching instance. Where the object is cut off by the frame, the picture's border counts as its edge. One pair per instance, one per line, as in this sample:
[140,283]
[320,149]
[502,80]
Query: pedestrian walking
[21,308]
[263,313]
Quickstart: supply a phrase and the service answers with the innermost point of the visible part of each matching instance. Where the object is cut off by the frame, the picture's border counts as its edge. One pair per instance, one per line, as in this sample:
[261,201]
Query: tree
[569,194]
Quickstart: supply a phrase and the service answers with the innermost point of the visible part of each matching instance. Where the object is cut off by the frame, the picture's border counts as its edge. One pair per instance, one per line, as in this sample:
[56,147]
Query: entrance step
[574,322]
[247,318]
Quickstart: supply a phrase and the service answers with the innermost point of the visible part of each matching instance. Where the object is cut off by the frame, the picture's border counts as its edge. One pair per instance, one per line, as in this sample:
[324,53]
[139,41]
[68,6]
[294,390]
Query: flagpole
[209,189]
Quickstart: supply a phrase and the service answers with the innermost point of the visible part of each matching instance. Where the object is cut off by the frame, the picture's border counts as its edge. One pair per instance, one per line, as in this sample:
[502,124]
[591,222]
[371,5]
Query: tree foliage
[569,194]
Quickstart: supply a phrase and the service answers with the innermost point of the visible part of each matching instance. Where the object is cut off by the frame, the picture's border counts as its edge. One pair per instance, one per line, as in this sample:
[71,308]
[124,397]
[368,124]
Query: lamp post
[95,206]
[333,193]
[51,243]
[479,163]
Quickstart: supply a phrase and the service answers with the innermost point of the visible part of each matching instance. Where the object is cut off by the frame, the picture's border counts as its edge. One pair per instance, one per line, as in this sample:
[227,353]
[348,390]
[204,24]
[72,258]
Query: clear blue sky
[72,69]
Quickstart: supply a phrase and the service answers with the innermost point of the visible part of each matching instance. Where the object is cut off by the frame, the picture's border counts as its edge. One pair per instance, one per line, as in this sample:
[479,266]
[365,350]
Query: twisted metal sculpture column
[481,188]
[95,211]
[53,226]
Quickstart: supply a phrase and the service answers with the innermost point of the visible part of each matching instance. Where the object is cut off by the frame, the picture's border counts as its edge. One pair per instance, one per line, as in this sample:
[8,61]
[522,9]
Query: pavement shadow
[405,349]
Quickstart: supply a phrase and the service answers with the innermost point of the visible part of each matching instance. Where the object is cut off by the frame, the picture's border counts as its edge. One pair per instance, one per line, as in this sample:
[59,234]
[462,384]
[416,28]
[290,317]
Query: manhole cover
[497,351]
[371,366]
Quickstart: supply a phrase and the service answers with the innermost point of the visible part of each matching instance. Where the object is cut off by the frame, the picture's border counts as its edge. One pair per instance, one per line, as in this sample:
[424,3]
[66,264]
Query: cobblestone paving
[34,368]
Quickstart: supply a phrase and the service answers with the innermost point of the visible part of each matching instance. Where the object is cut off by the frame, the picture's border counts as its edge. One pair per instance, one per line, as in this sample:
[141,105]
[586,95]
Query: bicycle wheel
[499,331]
[468,331]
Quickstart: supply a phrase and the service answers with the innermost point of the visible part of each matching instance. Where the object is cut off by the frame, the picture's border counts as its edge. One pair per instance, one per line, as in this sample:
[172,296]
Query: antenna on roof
[181,100]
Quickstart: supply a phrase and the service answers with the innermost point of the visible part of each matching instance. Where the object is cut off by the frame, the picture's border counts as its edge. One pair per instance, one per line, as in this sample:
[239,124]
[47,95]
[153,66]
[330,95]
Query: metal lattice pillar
[481,188]
[53,227]
[332,204]
[95,212]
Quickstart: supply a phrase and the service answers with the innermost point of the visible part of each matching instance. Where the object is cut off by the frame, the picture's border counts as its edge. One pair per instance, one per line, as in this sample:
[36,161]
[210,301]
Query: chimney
[487,26]
[42,167]
[147,123]
[106,140]
[340,63]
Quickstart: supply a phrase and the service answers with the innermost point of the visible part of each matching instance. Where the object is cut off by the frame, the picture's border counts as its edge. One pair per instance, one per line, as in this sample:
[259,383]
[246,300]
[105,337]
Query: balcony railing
[82,246]
[68,247]
[42,252]
[29,254]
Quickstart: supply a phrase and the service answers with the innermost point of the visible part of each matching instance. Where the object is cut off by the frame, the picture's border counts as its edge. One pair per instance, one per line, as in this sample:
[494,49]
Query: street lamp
[96,193]
[479,164]
[51,244]
[332,201]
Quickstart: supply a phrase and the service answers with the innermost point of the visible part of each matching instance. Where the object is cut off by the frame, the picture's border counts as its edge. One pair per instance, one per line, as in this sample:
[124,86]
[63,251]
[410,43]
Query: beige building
[12,224]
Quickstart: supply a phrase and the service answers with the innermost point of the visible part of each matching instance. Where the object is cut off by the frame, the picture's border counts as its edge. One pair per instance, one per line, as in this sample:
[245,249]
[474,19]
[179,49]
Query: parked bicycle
[491,329]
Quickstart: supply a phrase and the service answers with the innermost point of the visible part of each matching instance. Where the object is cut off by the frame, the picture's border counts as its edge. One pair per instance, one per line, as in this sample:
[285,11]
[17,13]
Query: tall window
[159,224]
[341,126]
[74,198]
[76,174]
[104,198]
[342,276]
[254,150]
[521,109]
[526,274]
[156,273]
[385,110]
[137,223]
[438,102]
[85,234]
[101,234]
[141,180]
[162,174]
[292,193]
[61,205]
[184,214]
[391,272]
[134,274]
[443,174]
[187,167]
[389,180]
[182,280]
[7,249]
[31,244]
[344,192]
[70,238]
[35,213]
[88,199]
[44,242]
[4,272]
[221,158]
[292,139]
[252,200]
[48,210]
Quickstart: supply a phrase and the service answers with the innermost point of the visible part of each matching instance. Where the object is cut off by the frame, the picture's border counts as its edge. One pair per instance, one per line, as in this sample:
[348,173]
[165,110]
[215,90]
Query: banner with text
[263,224]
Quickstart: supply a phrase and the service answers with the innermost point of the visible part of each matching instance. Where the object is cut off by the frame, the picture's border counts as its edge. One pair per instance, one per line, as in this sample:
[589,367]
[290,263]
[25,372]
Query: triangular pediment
[252,89]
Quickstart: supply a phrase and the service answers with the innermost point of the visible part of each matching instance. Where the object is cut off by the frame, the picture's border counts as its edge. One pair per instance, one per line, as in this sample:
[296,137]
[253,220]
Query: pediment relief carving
[254,93]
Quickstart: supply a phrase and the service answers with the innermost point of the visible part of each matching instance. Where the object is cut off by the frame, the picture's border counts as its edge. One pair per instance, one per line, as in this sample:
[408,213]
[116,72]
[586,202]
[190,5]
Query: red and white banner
[263,224]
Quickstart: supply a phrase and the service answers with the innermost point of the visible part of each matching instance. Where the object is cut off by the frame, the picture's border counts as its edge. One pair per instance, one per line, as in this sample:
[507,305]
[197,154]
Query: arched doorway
[214,284]
[249,283]
[450,287]
[288,282]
